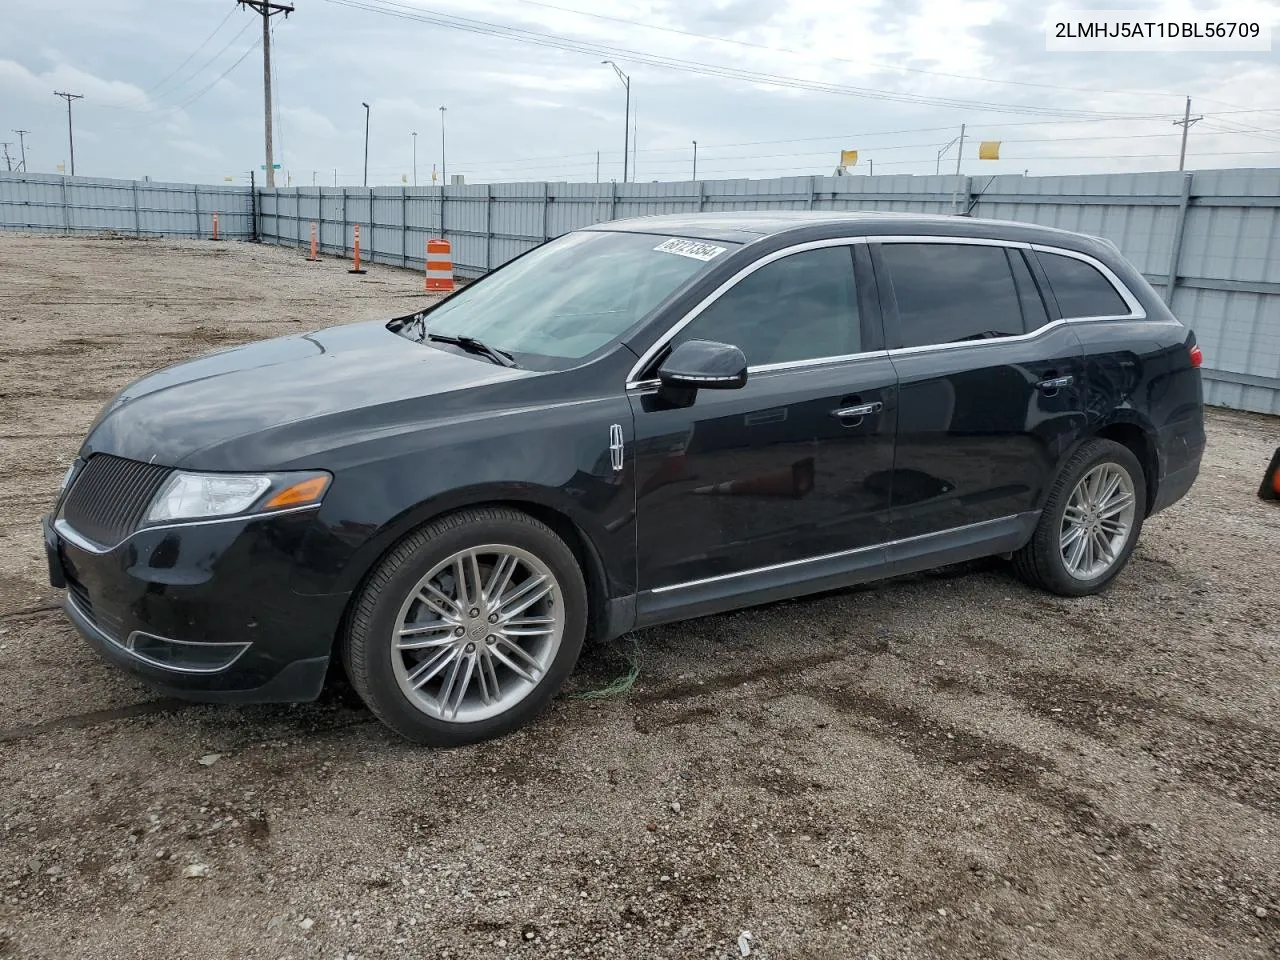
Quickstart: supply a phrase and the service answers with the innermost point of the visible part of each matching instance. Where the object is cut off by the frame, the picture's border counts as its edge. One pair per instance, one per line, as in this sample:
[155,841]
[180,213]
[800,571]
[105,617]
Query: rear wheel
[1090,523]
[468,627]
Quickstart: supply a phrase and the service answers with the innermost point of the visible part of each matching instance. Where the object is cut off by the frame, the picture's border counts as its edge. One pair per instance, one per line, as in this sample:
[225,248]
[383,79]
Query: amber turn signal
[300,494]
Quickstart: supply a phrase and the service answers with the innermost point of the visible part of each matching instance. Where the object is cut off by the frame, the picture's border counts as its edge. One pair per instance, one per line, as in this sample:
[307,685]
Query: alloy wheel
[1097,521]
[476,635]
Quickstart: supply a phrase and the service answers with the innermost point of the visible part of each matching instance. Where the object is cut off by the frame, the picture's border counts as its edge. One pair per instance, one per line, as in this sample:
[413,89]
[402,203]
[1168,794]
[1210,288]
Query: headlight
[197,496]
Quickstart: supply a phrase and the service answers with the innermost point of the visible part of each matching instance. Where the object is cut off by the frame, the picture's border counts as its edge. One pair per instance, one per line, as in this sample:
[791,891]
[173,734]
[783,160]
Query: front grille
[109,496]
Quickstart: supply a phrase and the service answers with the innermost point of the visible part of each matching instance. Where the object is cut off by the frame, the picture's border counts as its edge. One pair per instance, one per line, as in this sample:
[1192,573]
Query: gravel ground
[943,765]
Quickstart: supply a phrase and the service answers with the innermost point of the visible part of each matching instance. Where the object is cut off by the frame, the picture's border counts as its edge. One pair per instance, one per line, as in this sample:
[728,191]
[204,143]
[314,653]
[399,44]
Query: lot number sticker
[690,248]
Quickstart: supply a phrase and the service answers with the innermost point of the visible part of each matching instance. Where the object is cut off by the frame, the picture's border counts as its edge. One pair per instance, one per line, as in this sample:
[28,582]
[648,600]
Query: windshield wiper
[500,357]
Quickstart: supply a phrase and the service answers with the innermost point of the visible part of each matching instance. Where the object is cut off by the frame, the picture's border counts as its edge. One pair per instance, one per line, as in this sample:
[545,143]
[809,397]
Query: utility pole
[268,10]
[71,140]
[597,166]
[22,145]
[1185,123]
[695,161]
[415,158]
[8,162]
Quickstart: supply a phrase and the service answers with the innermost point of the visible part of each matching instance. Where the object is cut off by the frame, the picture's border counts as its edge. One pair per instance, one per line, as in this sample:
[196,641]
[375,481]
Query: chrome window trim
[989,341]
[831,556]
[782,367]
[714,295]
[70,533]
[968,241]
[1136,310]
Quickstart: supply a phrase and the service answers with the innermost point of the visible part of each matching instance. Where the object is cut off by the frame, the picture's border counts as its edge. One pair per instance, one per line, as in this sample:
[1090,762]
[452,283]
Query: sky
[173,90]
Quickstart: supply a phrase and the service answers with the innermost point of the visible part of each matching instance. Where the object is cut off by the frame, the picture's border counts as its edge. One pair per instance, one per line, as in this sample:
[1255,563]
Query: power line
[520,35]
[1031,158]
[163,80]
[170,111]
[1259,133]
[859,63]
[823,153]
[846,137]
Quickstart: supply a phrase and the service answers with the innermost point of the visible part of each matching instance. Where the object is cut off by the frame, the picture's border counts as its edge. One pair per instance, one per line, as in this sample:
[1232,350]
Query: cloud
[109,93]
[306,122]
[528,111]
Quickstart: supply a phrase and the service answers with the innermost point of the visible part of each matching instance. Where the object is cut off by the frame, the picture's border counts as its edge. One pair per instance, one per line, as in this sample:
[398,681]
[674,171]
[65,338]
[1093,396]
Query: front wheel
[468,628]
[1090,523]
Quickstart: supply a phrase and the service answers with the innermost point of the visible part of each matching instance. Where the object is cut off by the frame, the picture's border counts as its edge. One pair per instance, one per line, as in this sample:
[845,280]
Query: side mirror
[704,365]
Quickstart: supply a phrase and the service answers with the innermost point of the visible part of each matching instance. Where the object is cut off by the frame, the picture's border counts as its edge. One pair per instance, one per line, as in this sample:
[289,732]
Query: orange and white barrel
[439,266]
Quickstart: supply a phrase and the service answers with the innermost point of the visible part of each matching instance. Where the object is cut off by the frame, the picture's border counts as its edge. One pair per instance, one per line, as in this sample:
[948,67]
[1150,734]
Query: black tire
[366,645]
[1040,563]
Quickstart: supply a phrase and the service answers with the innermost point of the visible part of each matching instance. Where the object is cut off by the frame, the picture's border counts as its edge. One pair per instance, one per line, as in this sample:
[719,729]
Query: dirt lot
[945,765]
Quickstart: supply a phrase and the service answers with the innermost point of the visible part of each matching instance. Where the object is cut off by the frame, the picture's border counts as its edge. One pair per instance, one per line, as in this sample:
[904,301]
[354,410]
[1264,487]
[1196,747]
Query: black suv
[636,423]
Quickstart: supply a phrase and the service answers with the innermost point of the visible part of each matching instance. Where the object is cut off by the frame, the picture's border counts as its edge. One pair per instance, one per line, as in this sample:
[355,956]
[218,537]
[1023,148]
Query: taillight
[1197,356]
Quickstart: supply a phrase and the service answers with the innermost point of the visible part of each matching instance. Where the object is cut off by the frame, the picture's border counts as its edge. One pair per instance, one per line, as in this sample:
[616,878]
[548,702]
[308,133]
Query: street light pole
[415,158]
[444,165]
[366,142]
[626,120]
[938,165]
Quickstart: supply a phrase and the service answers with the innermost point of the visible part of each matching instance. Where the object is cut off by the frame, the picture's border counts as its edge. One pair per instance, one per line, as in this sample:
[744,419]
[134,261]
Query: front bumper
[202,611]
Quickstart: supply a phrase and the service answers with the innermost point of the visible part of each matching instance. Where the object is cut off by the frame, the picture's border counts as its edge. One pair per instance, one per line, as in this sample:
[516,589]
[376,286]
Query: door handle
[1054,383]
[860,410]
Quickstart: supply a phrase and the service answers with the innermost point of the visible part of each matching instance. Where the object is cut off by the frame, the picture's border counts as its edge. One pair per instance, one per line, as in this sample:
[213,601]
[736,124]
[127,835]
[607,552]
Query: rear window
[1080,289]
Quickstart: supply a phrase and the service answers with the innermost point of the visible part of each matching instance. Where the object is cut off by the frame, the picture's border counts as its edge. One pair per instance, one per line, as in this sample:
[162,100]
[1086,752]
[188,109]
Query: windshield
[574,295]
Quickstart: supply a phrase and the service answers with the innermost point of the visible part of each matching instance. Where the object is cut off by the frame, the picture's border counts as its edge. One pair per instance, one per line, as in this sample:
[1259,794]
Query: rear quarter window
[1081,290]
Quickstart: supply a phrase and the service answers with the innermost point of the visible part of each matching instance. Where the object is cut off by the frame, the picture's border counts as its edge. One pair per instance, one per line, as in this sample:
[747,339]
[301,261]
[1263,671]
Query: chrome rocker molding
[829,571]
[126,647]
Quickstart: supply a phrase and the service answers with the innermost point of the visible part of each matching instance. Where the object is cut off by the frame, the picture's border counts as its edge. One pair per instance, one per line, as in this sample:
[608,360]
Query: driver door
[770,485]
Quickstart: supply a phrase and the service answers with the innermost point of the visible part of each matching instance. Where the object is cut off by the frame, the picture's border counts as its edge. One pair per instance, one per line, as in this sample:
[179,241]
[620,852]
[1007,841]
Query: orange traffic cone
[673,469]
[797,481]
[1270,489]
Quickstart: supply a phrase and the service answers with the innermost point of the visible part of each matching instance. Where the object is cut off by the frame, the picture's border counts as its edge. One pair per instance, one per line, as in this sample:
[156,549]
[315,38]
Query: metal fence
[1215,233]
[1209,241]
[138,208]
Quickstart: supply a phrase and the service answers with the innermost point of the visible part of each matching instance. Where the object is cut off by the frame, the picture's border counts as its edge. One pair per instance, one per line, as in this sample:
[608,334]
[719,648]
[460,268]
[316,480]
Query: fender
[1123,425]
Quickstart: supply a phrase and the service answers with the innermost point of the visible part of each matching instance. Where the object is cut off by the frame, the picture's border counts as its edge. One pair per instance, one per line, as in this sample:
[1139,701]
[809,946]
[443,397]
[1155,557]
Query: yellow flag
[848,158]
[989,150]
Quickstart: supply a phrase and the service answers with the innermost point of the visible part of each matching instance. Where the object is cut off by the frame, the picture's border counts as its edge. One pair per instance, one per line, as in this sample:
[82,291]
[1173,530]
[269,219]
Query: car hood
[343,378]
